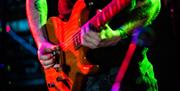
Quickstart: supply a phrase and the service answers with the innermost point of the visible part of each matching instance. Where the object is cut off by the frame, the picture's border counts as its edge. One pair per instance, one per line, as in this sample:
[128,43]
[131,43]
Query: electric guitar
[74,64]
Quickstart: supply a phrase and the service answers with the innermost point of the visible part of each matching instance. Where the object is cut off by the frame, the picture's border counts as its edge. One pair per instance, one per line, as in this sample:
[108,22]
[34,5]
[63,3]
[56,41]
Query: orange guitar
[74,65]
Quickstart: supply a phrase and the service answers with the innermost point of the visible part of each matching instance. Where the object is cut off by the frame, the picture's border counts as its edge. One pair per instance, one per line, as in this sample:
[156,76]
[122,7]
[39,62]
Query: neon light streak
[23,43]
[123,67]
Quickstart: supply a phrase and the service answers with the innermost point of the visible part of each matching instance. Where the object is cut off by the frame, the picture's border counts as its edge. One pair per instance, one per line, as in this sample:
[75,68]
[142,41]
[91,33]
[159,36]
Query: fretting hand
[92,39]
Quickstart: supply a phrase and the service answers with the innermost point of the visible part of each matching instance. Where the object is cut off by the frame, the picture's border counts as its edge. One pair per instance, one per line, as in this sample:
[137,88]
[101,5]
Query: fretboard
[110,10]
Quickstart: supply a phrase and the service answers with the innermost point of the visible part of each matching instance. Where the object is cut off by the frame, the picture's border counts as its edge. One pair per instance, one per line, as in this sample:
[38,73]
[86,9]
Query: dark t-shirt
[52,8]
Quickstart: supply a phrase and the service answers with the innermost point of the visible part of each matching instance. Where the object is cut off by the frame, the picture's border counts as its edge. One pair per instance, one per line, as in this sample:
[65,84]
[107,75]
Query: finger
[47,50]
[48,66]
[93,35]
[102,35]
[104,44]
[47,62]
[90,41]
[56,65]
[109,33]
[107,26]
[56,47]
[89,45]
[55,52]
[108,42]
[51,49]
[46,56]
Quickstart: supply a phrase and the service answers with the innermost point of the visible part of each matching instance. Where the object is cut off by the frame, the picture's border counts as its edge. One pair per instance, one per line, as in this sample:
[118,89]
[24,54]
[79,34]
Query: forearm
[142,15]
[36,11]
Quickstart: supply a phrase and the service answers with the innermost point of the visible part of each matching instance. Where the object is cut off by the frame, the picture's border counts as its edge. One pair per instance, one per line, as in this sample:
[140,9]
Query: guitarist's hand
[46,54]
[92,39]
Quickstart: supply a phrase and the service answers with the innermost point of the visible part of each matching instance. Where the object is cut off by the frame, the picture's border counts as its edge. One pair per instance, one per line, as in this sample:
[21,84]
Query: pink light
[8,28]
[123,67]
[116,86]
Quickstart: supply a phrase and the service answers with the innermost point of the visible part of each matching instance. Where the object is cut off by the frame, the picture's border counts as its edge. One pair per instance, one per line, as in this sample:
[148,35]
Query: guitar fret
[98,21]
[101,17]
[118,4]
[104,16]
[109,11]
[77,40]
[69,37]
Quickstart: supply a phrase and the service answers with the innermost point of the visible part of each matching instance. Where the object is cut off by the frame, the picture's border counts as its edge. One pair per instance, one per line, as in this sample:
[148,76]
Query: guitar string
[69,41]
[70,38]
[76,34]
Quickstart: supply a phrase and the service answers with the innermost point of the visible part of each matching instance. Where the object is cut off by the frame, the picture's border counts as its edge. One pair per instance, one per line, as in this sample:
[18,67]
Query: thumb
[108,27]
[51,48]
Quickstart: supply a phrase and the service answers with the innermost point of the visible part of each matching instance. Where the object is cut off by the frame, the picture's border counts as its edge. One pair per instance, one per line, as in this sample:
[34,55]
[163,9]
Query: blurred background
[20,69]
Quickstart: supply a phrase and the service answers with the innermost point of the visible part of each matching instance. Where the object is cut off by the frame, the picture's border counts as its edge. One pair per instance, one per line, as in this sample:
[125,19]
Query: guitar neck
[110,10]
[114,7]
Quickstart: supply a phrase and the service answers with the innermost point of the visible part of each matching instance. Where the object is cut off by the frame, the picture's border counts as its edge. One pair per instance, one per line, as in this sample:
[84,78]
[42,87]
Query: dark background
[20,69]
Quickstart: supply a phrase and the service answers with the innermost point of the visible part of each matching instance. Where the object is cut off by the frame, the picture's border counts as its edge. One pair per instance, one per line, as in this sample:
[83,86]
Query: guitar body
[74,65]
[60,32]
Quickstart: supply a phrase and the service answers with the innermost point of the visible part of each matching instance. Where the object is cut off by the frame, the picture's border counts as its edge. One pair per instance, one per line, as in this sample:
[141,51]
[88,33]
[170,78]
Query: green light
[108,33]
[143,15]
[8,68]
[153,11]
[42,8]
[0,26]
[147,73]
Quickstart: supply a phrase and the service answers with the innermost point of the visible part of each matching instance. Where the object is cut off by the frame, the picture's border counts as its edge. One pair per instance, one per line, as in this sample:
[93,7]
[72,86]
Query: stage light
[19,25]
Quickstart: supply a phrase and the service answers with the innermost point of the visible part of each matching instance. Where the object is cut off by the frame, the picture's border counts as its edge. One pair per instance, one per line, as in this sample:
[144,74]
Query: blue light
[20,40]
[19,25]
[2,66]
[0,26]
